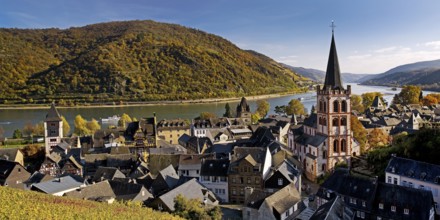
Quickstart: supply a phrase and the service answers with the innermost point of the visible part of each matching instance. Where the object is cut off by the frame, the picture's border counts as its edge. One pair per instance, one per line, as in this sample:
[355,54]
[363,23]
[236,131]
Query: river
[11,119]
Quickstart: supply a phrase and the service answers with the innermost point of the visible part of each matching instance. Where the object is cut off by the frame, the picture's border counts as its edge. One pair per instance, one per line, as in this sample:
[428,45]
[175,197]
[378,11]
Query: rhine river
[11,119]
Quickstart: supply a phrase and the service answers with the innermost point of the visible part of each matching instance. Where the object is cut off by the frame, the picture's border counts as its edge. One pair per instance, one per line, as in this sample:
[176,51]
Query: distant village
[264,170]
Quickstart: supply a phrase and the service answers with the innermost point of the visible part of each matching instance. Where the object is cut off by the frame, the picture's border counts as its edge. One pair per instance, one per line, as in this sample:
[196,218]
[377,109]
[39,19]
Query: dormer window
[406,211]
[393,208]
[280,181]
[380,205]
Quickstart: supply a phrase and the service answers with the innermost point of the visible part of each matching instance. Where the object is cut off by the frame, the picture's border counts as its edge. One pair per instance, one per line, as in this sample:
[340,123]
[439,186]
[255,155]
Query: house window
[233,179]
[389,179]
[362,215]
[241,192]
[364,204]
[248,180]
[421,187]
[287,213]
[410,184]
[257,180]
[393,208]
[352,201]
[380,205]
[205,178]
[280,181]
[358,214]
[404,183]
[222,179]
[395,181]
[406,211]
[234,192]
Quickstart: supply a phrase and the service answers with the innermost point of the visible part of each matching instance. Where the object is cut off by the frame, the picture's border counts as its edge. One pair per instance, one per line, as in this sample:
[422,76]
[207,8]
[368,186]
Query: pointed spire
[333,74]
[53,114]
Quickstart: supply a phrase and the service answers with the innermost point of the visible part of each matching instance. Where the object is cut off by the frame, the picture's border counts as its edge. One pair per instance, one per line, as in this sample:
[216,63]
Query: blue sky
[371,36]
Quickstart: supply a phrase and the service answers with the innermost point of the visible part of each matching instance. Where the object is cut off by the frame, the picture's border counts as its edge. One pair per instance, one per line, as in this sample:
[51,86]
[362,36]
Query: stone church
[325,138]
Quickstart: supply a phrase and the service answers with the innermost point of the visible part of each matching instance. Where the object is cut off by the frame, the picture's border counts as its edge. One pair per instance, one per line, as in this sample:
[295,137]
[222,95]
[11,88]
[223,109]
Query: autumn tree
[124,120]
[295,107]
[195,209]
[207,115]
[81,126]
[356,103]
[368,98]
[29,129]
[359,132]
[431,99]
[378,138]
[408,95]
[93,126]
[66,126]
[39,129]
[263,108]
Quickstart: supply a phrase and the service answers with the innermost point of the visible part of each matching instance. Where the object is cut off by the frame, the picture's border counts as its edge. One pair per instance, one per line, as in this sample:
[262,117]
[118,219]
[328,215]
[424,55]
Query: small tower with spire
[53,129]
[244,111]
[333,111]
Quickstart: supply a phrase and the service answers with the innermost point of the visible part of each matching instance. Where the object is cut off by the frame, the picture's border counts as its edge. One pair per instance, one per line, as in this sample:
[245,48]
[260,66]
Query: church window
[335,122]
[335,106]
[324,154]
[343,145]
[344,106]
[335,146]
[325,106]
[321,106]
[343,121]
[323,167]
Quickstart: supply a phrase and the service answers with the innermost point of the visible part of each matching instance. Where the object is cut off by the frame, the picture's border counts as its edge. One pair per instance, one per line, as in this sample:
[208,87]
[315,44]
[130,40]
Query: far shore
[148,103]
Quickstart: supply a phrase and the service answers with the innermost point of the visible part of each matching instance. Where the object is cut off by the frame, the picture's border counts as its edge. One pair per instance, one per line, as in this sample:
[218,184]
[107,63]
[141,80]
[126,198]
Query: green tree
[81,126]
[295,107]
[280,109]
[17,134]
[359,132]
[93,126]
[194,209]
[66,126]
[207,115]
[263,108]
[408,95]
[356,103]
[368,98]
[227,111]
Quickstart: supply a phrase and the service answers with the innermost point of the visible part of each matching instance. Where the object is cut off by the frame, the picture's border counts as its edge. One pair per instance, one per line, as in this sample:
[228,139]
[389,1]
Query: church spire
[333,74]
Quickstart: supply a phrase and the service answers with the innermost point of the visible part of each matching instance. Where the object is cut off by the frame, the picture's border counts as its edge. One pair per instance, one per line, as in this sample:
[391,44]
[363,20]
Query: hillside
[19,204]
[424,74]
[319,75]
[131,61]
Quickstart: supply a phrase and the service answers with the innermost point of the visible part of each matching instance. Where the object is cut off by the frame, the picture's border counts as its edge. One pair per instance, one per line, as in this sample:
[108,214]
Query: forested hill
[131,60]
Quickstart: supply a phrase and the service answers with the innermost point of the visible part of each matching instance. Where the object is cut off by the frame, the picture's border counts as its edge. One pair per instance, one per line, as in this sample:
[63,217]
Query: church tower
[244,111]
[53,129]
[333,113]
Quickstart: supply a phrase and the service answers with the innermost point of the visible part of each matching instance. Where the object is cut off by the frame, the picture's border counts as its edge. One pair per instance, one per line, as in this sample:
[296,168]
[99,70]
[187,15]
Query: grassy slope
[19,204]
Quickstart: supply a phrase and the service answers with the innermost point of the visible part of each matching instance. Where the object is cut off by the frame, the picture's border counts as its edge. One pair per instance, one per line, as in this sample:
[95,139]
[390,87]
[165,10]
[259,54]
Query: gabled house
[190,164]
[13,174]
[195,145]
[171,130]
[101,191]
[51,165]
[130,191]
[284,174]
[72,166]
[214,176]
[107,173]
[414,174]
[284,204]
[190,190]
[12,154]
[249,167]
[58,186]
[166,180]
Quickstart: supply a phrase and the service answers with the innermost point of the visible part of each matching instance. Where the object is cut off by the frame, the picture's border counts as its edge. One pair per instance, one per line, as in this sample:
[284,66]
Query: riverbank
[150,103]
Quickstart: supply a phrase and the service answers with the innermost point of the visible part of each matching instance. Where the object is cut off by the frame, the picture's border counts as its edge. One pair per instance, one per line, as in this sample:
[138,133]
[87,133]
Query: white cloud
[433,44]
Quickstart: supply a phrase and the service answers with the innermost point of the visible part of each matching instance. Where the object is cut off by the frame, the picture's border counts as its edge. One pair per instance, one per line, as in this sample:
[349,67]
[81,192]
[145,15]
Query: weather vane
[333,26]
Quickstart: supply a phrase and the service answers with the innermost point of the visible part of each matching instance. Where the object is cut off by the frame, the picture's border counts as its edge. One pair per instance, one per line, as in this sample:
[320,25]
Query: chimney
[247,192]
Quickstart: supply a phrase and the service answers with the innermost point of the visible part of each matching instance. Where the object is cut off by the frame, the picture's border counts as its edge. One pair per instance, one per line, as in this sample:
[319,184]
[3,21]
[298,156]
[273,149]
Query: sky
[372,36]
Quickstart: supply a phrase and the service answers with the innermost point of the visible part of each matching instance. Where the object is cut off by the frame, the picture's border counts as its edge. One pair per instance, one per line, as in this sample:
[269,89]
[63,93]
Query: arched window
[324,121]
[344,106]
[323,167]
[324,154]
[343,121]
[335,146]
[335,122]
[335,106]
[320,120]
[325,106]
[321,106]
[343,146]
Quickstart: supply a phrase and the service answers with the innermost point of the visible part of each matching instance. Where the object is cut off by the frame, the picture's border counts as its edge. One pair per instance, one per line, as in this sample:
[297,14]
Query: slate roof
[52,114]
[6,168]
[129,191]
[107,173]
[9,153]
[284,198]
[170,176]
[311,121]
[190,190]
[93,192]
[333,209]
[37,177]
[333,73]
[215,167]
[414,169]
[314,141]
[57,185]
[418,201]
